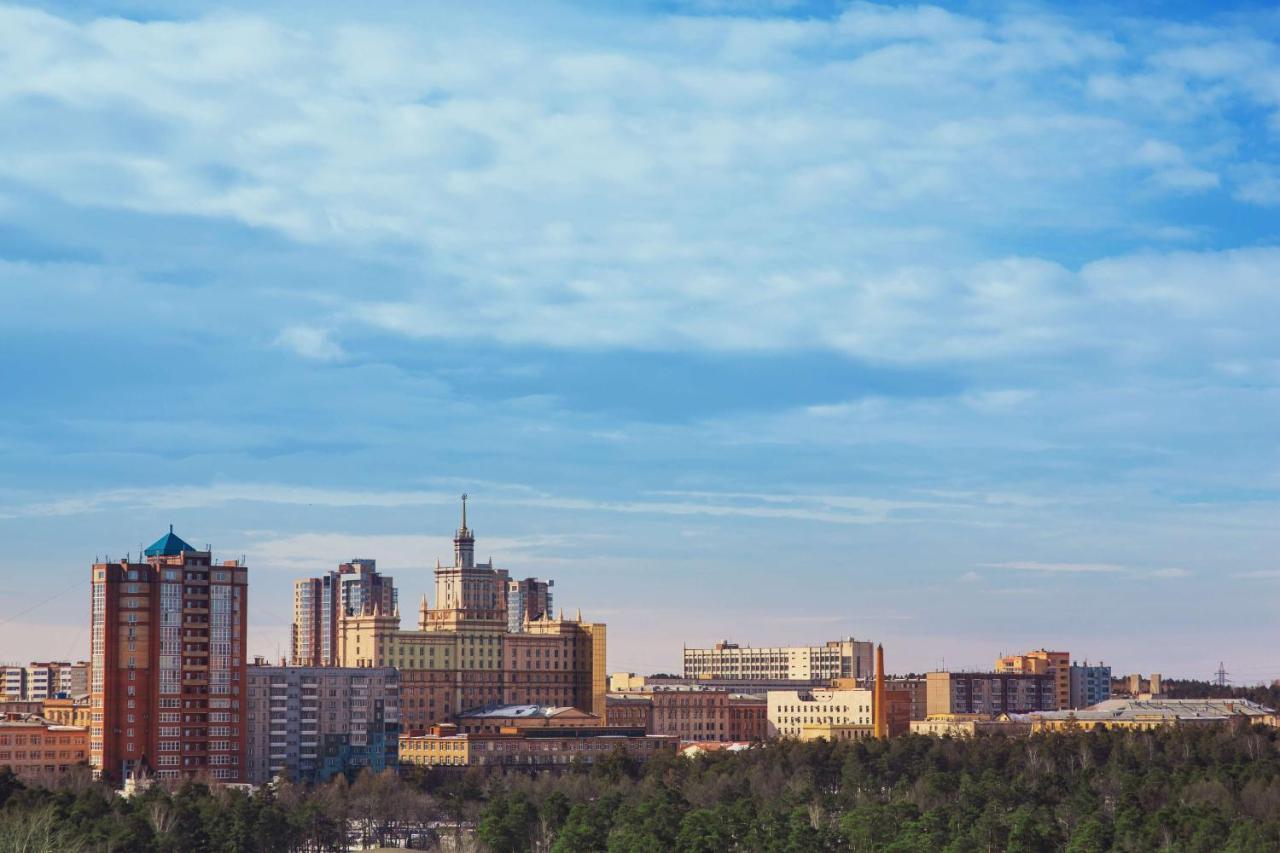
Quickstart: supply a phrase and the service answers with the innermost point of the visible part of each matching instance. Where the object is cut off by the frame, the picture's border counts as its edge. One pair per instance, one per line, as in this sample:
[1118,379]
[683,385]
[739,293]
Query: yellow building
[67,712]
[463,654]
[836,731]
[969,725]
[1057,665]
[530,748]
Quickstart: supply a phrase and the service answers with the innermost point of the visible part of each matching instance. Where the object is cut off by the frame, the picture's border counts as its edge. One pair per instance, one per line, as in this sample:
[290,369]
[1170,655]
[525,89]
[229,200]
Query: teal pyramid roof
[167,545]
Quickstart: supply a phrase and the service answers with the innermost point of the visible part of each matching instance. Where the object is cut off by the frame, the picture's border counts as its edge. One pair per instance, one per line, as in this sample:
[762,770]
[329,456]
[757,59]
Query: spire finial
[464,510]
[170,528]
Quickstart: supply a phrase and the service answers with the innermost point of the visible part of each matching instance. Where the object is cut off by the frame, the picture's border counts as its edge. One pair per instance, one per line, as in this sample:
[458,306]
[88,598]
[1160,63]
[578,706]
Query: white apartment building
[847,658]
[789,711]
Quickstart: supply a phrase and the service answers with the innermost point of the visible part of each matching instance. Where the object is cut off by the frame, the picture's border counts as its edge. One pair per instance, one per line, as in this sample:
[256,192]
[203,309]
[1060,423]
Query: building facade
[789,711]
[42,680]
[541,748]
[1142,714]
[68,711]
[311,723]
[319,604]
[1056,665]
[167,664]
[969,725]
[463,654]
[725,661]
[693,714]
[1089,685]
[989,693]
[528,600]
[39,750]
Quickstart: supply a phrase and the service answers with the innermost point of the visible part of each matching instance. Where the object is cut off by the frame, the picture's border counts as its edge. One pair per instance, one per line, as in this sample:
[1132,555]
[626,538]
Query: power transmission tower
[1220,677]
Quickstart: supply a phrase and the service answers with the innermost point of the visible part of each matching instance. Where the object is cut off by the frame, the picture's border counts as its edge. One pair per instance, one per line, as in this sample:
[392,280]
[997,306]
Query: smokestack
[880,714]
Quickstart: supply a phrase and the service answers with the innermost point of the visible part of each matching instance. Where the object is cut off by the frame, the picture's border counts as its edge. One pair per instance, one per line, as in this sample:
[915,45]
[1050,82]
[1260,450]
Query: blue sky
[951,328]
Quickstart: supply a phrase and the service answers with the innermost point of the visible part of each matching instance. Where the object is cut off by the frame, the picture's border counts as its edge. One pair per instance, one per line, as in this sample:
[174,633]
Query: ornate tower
[464,543]
[466,592]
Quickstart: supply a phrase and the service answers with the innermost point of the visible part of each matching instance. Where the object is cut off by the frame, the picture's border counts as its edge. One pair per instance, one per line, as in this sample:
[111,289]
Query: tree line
[1178,789]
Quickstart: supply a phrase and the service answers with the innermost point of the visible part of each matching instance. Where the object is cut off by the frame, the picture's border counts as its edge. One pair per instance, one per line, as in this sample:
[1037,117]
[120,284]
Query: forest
[1177,789]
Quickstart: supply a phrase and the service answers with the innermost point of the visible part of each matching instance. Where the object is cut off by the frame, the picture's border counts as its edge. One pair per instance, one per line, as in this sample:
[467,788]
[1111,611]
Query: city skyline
[947,329]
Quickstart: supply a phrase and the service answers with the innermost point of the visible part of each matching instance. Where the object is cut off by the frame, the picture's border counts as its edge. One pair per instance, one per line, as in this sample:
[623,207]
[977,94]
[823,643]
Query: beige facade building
[969,725]
[463,654]
[532,747]
[847,658]
[320,603]
[789,711]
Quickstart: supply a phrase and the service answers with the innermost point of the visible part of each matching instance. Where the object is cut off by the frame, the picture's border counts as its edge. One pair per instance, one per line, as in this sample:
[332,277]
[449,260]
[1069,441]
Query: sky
[954,328]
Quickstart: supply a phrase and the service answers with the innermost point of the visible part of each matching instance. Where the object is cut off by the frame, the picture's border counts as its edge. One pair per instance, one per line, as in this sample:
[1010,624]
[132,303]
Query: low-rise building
[1154,713]
[691,713]
[789,711]
[1089,684]
[311,723]
[990,693]
[969,725]
[498,717]
[68,711]
[748,718]
[39,750]
[836,731]
[530,748]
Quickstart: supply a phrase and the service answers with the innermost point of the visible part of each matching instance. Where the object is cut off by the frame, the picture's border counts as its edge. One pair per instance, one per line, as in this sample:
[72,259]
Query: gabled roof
[168,545]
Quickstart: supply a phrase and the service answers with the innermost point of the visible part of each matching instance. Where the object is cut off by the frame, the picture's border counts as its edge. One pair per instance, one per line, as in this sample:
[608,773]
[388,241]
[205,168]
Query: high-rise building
[847,658]
[40,680]
[318,604]
[989,693]
[312,723]
[167,667]
[1089,684]
[527,601]
[1056,665]
[13,683]
[463,654]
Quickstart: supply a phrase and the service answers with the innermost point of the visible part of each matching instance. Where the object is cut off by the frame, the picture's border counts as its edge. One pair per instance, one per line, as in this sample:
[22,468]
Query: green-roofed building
[168,545]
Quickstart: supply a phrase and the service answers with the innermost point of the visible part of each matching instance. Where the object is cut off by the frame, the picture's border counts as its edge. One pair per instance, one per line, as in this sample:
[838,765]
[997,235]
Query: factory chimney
[880,713]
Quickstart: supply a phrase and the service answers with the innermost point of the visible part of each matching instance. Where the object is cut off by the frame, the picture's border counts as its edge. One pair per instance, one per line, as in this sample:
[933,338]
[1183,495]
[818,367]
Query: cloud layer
[898,302]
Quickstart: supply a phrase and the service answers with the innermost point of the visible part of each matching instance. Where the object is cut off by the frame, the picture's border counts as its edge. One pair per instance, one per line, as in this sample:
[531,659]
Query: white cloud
[310,342]
[704,183]
[1056,568]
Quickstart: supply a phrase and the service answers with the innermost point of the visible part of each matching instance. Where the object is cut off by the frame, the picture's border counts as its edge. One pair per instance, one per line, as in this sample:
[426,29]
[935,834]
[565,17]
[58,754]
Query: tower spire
[464,543]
